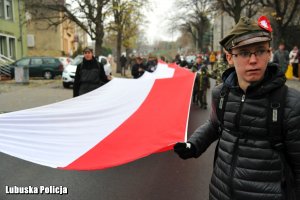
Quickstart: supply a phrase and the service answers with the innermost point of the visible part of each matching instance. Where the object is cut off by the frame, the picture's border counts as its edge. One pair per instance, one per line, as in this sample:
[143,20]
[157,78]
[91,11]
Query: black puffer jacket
[89,76]
[247,168]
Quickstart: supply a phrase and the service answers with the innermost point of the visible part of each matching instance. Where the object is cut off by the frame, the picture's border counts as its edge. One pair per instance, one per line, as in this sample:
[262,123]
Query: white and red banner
[122,121]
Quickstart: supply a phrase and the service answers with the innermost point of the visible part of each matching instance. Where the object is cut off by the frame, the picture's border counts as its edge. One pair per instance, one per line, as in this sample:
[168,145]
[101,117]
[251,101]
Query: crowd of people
[206,66]
[254,115]
[284,58]
[209,65]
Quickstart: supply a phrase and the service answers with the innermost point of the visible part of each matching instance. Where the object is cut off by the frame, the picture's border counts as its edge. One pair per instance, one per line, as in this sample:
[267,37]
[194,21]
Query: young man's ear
[270,53]
[229,58]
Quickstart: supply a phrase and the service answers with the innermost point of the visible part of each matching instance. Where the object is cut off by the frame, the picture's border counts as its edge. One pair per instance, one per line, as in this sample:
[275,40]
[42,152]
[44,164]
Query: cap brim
[252,41]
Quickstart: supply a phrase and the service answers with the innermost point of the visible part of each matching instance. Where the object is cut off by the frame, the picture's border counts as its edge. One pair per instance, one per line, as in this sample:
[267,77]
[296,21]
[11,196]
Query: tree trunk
[237,11]
[128,53]
[200,40]
[99,39]
[277,36]
[119,49]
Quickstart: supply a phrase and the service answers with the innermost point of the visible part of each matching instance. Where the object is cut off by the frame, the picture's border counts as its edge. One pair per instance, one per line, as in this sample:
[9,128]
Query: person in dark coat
[123,62]
[248,165]
[177,59]
[151,64]
[138,69]
[198,64]
[89,74]
[204,85]
[281,57]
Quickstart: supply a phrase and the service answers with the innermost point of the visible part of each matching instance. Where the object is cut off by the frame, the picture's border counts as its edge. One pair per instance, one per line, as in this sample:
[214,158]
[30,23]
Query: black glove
[185,150]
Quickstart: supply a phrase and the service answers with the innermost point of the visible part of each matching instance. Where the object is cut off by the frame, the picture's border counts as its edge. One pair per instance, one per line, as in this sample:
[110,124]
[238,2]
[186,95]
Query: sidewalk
[293,84]
[14,97]
[118,75]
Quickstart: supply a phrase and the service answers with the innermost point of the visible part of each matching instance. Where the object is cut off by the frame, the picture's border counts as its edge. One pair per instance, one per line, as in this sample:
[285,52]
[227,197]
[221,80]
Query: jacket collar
[273,79]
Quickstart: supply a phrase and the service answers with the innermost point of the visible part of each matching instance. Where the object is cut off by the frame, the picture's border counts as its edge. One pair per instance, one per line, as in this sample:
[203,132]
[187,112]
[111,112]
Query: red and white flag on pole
[122,121]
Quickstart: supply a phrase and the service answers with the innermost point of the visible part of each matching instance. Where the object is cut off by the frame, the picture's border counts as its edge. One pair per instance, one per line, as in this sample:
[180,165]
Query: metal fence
[4,67]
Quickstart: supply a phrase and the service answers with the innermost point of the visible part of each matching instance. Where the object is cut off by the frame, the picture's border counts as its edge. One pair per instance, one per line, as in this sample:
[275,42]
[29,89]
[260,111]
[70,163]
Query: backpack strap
[221,104]
[276,135]
[220,109]
[275,118]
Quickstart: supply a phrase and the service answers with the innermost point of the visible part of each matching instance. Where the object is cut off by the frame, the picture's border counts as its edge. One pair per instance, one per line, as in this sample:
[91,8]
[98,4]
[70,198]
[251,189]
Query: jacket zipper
[238,116]
[235,148]
[233,164]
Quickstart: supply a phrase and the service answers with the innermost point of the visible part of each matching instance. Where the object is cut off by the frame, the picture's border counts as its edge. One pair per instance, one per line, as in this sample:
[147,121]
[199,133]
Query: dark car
[47,67]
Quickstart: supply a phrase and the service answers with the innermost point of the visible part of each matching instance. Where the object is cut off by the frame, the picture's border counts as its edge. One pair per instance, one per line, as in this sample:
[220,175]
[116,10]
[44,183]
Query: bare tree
[131,32]
[193,17]
[87,14]
[237,8]
[283,13]
[125,24]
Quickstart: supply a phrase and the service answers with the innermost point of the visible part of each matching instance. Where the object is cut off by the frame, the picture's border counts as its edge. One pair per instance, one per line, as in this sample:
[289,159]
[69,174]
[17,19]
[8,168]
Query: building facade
[45,39]
[13,43]
[222,25]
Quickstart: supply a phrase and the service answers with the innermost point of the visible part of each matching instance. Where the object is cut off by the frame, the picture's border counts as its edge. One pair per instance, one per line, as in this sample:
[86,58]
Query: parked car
[47,67]
[68,74]
[106,65]
[65,60]
[190,58]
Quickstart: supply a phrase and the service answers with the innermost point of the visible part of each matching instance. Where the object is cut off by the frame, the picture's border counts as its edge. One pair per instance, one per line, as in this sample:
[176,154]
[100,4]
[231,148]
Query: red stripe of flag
[157,124]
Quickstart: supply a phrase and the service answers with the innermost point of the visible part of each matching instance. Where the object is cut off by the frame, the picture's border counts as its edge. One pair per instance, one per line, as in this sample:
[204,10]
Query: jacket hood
[89,64]
[273,78]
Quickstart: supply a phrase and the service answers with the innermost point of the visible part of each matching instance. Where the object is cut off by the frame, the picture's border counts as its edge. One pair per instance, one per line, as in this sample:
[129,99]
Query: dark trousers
[295,69]
[123,70]
[195,95]
[202,98]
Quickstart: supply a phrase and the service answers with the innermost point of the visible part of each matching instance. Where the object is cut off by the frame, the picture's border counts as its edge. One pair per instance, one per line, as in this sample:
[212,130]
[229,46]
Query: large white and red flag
[122,121]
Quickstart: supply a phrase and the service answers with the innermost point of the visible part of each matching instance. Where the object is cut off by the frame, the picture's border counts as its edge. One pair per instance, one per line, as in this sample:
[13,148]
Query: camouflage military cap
[246,32]
[88,49]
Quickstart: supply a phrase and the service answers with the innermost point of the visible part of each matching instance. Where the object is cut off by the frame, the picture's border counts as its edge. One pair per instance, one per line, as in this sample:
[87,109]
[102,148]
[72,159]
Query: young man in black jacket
[89,74]
[139,68]
[253,160]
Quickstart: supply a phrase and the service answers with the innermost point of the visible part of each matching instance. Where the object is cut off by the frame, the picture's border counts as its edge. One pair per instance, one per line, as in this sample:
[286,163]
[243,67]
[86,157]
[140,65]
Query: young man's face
[281,47]
[139,61]
[198,60]
[250,62]
[88,55]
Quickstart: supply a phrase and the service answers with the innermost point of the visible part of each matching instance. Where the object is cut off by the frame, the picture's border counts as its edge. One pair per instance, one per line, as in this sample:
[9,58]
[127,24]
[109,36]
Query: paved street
[15,96]
[159,176]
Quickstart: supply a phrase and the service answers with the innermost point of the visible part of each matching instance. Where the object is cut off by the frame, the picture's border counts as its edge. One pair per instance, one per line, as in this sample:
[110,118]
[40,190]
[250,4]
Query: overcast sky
[157,26]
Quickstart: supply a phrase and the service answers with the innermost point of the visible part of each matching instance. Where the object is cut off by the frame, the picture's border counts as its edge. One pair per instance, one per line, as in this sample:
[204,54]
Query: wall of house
[45,40]
[51,40]
[13,40]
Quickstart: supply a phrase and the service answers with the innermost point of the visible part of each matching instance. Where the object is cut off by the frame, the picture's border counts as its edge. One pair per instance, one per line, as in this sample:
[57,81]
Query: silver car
[68,74]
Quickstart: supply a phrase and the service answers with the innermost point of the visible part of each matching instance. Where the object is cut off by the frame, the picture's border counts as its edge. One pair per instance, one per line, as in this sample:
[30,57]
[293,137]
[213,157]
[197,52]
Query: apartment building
[46,39]
[13,43]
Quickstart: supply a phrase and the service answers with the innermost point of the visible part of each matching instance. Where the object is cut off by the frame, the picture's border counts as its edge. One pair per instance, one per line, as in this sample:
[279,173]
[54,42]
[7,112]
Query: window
[3,46]
[12,48]
[2,9]
[49,61]
[23,62]
[36,61]
[6,9]
[8,46]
